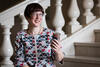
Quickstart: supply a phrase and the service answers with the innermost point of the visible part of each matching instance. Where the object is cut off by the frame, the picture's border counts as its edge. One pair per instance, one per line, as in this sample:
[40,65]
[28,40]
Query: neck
[34,30]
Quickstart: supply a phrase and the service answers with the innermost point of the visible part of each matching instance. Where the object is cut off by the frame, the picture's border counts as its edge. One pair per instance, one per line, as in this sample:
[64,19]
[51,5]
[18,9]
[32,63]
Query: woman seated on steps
[37,46]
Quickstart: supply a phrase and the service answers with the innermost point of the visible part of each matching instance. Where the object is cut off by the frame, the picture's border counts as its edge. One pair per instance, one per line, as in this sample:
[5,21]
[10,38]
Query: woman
[36,46]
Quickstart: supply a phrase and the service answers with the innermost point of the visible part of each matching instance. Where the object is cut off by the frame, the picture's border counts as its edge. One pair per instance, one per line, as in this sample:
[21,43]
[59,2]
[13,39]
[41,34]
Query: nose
[37,16]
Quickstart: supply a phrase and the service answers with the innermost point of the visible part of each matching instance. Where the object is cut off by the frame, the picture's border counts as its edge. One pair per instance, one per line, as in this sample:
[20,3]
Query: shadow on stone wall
[5,4]
[1,38]
[16,28]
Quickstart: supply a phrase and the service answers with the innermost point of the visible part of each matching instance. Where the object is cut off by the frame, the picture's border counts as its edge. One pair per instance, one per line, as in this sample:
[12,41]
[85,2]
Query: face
[35,19]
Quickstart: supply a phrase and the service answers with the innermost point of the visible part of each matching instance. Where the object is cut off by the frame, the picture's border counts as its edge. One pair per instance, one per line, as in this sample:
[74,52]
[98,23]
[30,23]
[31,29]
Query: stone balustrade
[7,21]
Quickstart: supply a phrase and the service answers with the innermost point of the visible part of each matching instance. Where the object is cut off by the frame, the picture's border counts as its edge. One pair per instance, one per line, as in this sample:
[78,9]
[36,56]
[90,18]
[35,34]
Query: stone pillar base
[1,65]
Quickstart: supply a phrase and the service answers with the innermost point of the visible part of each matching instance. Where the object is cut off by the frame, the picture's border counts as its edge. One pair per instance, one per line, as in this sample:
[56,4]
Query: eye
[37,14]
[40,14]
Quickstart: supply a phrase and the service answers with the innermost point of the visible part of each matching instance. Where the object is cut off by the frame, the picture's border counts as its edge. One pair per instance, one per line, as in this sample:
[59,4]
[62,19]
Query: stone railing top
[15,10]
[6,4]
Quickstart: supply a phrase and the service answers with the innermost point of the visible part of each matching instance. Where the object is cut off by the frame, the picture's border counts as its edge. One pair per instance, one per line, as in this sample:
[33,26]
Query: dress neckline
[41,33]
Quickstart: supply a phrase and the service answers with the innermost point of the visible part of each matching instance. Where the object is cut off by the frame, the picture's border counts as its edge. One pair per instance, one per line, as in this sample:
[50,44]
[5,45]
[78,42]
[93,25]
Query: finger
[53,46]
[58,44]
[56,41]
[54,49]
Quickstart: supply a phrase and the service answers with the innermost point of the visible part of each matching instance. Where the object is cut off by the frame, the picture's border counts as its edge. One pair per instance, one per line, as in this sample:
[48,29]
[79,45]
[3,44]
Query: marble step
[80,61]
[97,35]
[87,49]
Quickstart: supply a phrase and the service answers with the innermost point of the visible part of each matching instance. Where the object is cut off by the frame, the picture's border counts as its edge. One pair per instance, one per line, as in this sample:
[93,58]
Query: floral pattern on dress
[34,50]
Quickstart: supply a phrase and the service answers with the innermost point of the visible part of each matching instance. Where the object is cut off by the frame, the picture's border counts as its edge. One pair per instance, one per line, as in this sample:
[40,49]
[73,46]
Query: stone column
[98,8]
[88,15]
[6,49]
[44,19]
[24,21]
[74,13]
[45,4]
[58,20]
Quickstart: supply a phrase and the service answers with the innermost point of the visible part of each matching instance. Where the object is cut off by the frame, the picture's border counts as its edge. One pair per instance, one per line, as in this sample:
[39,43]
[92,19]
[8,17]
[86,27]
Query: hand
[55,45]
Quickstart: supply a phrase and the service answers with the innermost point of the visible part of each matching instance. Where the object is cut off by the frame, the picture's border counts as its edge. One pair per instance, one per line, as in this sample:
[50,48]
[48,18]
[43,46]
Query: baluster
[88,15]
[98,8]
[45,5]
[24,21]
[58,20]
[74,13]
[98,5]
[44,19]
[6,50]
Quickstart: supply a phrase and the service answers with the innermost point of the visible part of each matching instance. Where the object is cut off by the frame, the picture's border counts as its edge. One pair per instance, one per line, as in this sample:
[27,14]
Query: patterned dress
[34,51]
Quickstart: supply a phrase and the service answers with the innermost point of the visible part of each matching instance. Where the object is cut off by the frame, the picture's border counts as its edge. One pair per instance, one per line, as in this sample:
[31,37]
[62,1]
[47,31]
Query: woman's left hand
[55,45]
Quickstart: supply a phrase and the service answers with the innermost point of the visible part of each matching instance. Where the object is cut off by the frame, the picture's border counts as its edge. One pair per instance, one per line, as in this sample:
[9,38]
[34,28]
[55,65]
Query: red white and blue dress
[34,51]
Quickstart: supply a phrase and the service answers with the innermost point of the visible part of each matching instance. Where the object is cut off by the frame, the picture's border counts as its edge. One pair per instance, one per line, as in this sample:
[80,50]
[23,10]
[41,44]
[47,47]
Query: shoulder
[48,31]
[20,33]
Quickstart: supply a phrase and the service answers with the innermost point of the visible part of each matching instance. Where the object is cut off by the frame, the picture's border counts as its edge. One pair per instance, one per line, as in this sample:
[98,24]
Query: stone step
[80,61]
[87,49]
[97,35]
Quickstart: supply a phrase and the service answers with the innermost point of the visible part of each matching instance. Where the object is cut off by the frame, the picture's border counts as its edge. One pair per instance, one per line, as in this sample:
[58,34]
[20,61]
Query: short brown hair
[33,7]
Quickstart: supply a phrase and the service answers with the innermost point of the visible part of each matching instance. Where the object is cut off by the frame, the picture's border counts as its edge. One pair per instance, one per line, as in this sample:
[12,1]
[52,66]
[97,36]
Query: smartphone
[56,36]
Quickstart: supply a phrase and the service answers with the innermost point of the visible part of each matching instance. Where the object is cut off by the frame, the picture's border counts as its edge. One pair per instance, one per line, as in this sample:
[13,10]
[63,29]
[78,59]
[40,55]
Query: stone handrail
[7,22]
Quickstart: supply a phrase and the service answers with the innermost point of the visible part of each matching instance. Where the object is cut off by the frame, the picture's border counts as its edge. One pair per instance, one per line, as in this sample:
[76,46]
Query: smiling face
[35,19]
[34,13]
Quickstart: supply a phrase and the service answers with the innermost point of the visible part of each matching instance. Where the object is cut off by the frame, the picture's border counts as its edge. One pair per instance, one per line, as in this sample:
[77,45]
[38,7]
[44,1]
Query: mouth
[37,21]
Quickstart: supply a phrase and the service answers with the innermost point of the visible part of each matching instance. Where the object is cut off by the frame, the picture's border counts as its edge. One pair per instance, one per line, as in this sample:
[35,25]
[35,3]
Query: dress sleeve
[19,52]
